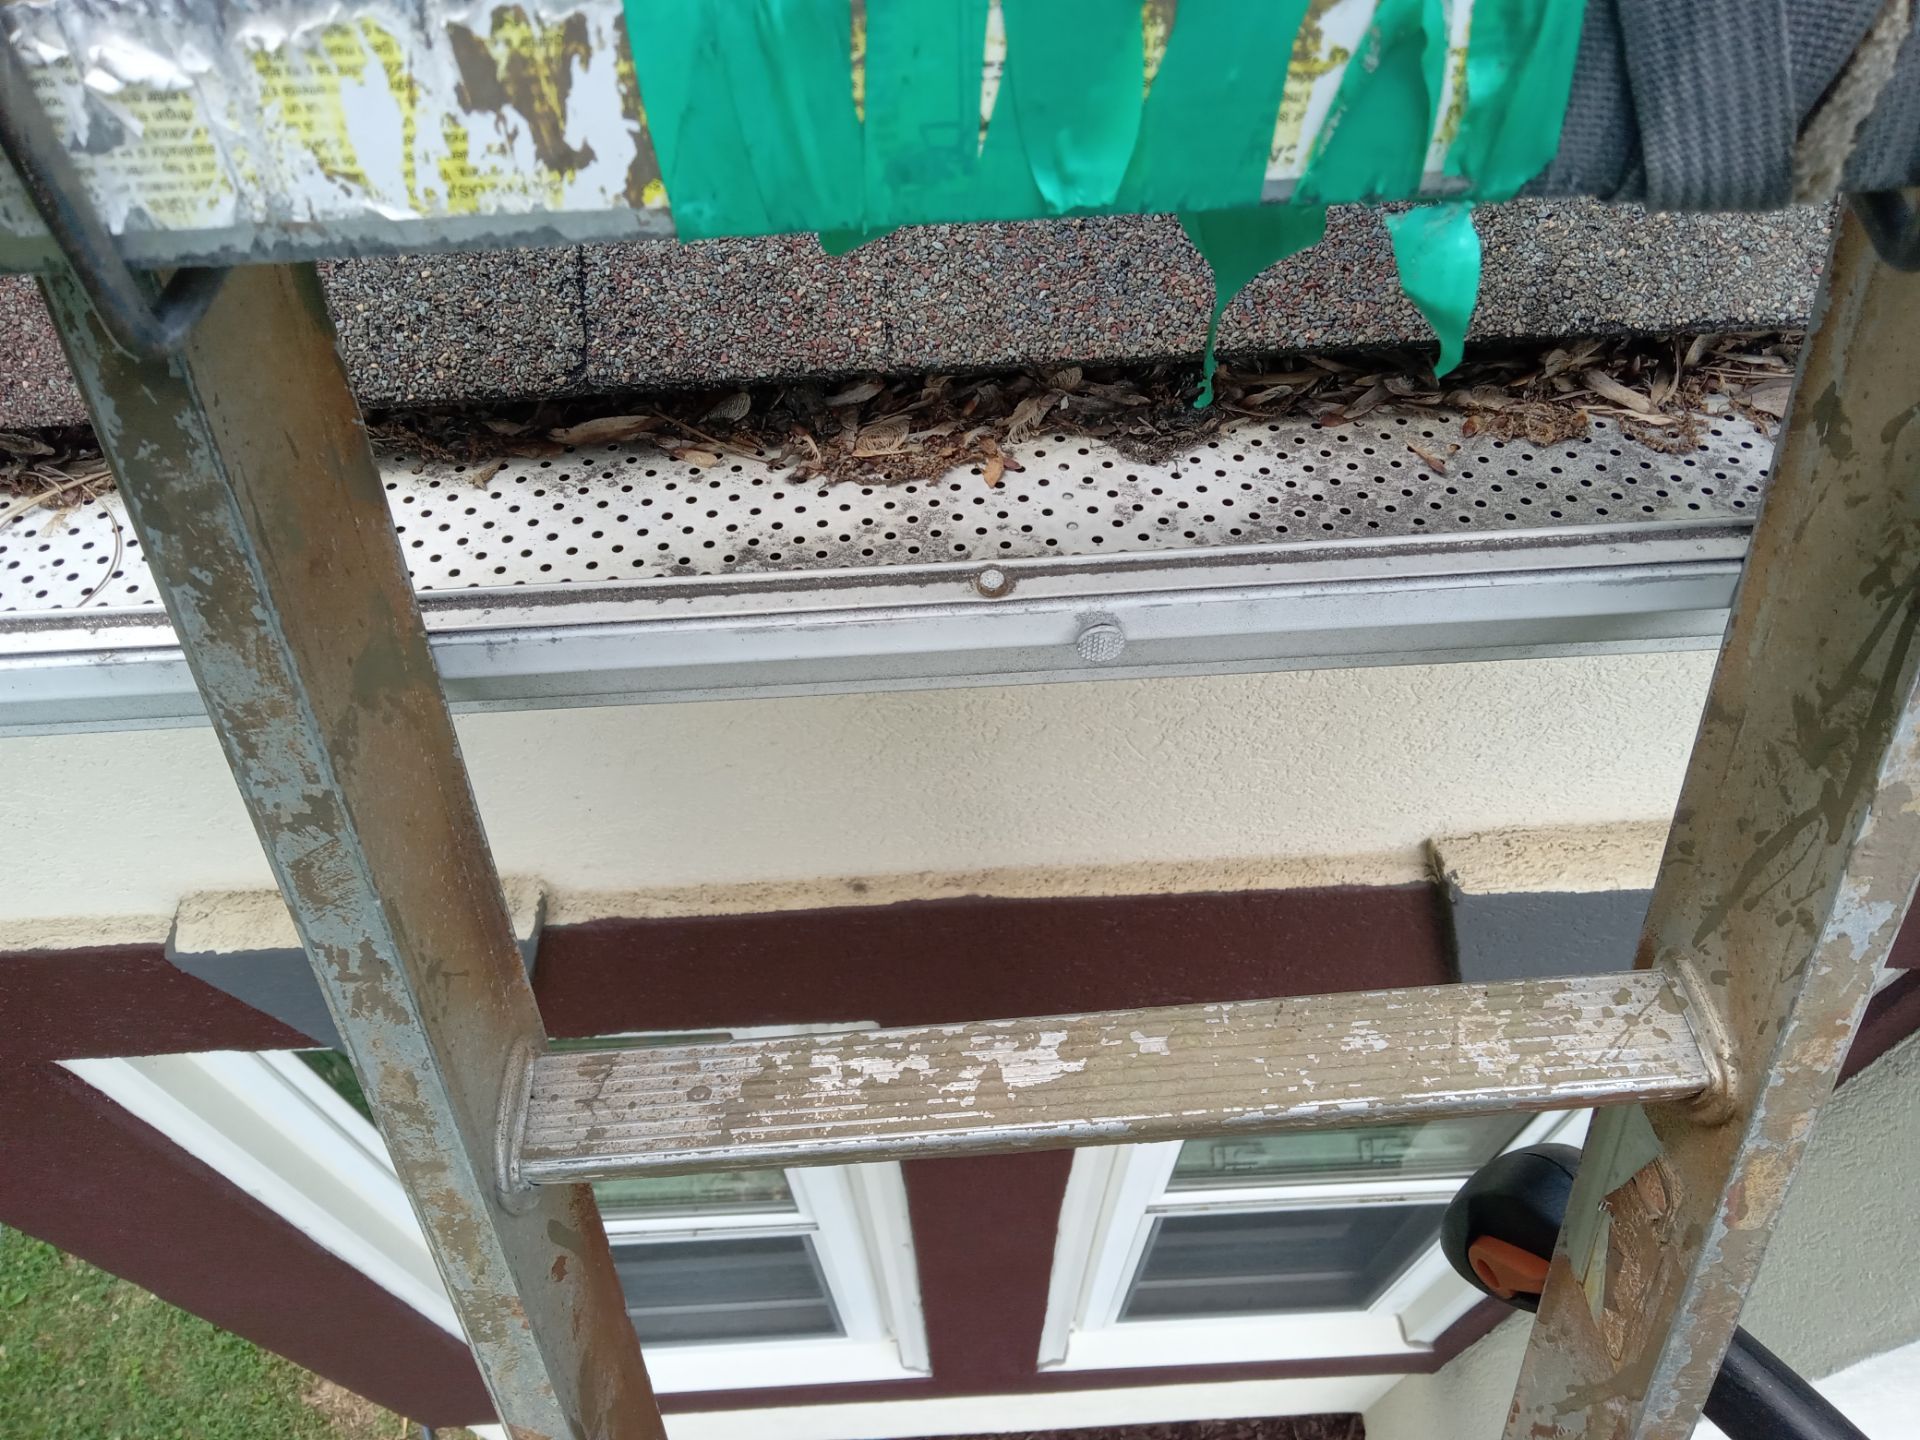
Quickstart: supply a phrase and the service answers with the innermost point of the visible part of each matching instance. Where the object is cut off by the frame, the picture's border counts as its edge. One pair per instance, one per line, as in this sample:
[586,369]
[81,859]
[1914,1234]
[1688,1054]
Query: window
[1317,1243]
[734,1280]
[765,1277]
[810,1270]
[705,1258]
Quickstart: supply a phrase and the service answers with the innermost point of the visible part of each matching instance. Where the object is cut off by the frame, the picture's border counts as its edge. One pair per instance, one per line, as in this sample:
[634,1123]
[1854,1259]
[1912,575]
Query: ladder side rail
[247,475]
[1790,865]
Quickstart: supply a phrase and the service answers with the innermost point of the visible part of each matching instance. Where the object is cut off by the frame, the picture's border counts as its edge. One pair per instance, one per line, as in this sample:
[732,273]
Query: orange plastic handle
[1506,1269]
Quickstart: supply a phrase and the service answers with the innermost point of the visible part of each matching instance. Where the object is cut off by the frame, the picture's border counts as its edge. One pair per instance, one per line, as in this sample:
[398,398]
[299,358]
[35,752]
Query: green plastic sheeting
[752,110]
[1075,70]
[1238,245]
[1520,58]
[1208,124]
[1373,144]
[1438,252]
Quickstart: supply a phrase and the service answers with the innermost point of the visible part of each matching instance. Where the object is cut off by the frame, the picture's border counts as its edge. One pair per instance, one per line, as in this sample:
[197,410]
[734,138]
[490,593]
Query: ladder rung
[1125,1075]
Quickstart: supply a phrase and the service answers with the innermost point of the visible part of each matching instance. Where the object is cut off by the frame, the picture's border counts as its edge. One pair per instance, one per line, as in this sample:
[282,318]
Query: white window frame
[1115,1193]
[855,1215]
[280,1133]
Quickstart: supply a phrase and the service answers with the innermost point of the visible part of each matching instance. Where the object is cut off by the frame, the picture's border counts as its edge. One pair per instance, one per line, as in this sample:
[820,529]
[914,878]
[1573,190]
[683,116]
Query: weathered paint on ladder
[245,470]
[1255,1066]
[1791,863]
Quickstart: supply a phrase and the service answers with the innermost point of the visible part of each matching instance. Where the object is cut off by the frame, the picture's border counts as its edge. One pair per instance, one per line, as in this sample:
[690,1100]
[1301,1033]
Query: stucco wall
[1318,763]
[1464,1400]
[1836,1286]
[1838,1283]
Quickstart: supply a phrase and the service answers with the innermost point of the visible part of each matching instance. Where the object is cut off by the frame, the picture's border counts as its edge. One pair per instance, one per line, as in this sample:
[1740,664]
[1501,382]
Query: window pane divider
[705,1227]
[1308,1196]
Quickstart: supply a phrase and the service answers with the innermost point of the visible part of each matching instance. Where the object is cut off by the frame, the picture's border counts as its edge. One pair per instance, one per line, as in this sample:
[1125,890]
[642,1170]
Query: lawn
[86,1356]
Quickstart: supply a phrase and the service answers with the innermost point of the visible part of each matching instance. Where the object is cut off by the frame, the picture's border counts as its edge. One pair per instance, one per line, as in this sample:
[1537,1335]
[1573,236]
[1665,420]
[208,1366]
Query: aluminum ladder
[247,474]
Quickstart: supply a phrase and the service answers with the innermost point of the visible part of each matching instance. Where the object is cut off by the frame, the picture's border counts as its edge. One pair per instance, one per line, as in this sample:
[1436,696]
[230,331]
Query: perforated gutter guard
[616,574]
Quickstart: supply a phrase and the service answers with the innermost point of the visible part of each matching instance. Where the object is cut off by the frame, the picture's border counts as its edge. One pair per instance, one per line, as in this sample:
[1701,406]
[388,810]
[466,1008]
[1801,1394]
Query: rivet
[993,582]
[1101,642]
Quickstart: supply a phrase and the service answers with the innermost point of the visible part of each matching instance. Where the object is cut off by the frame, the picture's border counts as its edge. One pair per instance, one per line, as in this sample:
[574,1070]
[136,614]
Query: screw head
[993,582]
[1101,642]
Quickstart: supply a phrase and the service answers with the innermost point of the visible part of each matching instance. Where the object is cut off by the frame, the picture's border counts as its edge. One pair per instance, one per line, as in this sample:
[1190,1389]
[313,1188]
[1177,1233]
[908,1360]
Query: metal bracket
[144,327]
[515,1194]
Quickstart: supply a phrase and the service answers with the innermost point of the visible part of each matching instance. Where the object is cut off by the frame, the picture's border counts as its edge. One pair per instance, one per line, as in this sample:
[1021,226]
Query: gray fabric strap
[1828,135]
[1599,142]
[1713,93]
[1697,104]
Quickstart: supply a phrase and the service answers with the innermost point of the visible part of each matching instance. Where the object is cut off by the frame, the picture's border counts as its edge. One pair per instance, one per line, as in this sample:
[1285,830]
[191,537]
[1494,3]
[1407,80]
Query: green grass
[87,1356]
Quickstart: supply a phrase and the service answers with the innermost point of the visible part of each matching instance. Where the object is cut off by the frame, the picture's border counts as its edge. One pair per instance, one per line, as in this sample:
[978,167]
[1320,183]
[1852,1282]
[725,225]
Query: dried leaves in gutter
[881,430]
[62,465]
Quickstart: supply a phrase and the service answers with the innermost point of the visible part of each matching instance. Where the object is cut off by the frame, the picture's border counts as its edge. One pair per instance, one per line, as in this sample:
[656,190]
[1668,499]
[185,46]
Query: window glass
[1418,1149]
[724,1257]
[734,1192]
[333,1067]
[727,1192]
[1274,1261]
[734,1287]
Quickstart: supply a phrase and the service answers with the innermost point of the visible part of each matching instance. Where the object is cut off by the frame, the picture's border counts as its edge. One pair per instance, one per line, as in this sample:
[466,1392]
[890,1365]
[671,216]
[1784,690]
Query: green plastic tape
[845,242]
[752,109]
[1075,71]
[696,137]
[1519,74]
[924,155]
[1207,128]
[1237,245]
[1438,252]
[1373,143]
[790,73]
[761,124]
[750,106]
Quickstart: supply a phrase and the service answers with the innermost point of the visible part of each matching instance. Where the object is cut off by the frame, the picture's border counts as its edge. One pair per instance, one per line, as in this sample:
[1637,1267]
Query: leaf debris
[893,429]
[608,429]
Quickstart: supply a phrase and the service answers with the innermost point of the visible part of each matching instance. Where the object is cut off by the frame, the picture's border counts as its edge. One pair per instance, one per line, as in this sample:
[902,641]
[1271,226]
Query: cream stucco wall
[1315,763]
[1464,1400]
[1839,1282]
